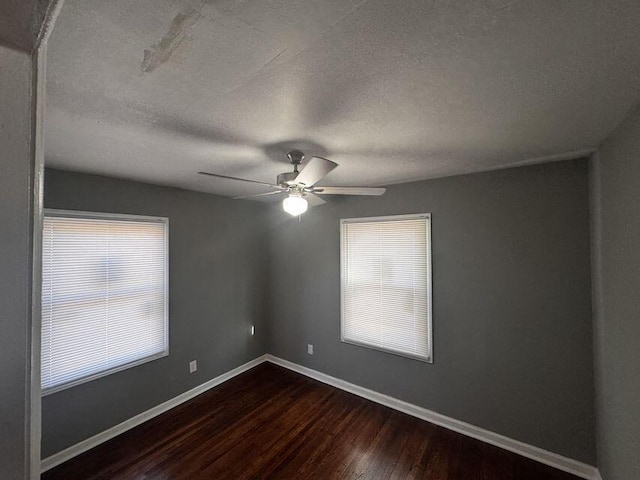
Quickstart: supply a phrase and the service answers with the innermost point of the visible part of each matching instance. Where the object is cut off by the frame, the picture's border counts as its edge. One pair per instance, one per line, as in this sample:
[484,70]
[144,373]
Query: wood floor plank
[271,423]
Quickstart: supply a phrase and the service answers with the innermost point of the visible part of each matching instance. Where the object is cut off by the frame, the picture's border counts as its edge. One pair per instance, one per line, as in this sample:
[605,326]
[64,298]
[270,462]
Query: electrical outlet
[310,349]
[193,366]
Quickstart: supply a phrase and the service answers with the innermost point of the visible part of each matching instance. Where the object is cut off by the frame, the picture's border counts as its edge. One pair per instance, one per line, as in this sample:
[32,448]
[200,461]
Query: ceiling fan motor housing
[287,179]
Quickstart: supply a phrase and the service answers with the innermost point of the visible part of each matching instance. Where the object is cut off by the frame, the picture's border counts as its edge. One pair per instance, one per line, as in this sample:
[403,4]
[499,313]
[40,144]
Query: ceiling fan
[300,186]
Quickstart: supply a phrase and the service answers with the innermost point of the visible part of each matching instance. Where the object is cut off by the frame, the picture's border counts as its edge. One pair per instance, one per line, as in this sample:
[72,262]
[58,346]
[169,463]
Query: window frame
[62,213]
[413,216]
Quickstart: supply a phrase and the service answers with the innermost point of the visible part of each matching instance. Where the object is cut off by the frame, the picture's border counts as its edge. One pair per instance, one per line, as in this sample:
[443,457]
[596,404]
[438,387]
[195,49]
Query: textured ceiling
[393,91]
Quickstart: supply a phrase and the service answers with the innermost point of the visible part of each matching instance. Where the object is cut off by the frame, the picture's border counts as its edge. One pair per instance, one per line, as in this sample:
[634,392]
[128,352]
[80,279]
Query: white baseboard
[568,465]
[89,443]
[565,464]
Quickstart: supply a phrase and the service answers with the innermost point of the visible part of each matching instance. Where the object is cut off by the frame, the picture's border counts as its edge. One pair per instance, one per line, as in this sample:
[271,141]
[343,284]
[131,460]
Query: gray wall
[217,275]
[21,21]
[618,319]
[17,173]
[512,314]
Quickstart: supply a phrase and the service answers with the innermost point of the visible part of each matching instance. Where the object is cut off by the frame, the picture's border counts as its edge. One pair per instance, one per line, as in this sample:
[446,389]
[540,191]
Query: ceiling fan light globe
[295,205]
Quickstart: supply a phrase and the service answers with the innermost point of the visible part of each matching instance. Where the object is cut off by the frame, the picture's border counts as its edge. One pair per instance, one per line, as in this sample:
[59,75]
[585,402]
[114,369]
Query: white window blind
[386,284]
[104,295]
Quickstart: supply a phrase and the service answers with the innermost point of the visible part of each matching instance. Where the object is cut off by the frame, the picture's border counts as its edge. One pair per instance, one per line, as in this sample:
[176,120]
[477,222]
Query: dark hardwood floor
[273,423]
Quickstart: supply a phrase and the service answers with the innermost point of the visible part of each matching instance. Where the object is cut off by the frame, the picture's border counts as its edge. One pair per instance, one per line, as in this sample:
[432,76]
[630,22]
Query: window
[386,284]
[104,295]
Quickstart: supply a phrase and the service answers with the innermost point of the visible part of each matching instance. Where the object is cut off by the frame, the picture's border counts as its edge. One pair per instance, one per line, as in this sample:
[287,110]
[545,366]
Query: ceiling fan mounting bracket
[295,157]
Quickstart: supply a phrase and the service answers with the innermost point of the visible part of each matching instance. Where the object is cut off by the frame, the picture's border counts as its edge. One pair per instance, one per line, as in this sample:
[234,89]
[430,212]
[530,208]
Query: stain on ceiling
[393,91]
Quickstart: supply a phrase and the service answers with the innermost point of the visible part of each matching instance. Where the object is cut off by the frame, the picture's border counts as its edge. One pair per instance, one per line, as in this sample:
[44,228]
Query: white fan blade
[238,179]
[257,195]
[314,171]
[377,191]
[314,199]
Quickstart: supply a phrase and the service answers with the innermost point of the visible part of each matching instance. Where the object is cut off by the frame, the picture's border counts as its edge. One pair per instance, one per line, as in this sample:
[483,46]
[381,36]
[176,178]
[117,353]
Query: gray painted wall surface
[512,313]
[618,321]
[16,212]
[21,22]
[217,274]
